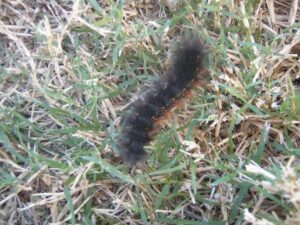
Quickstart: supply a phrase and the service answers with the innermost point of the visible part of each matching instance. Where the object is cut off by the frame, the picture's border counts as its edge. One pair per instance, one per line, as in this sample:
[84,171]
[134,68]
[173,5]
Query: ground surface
[229,155]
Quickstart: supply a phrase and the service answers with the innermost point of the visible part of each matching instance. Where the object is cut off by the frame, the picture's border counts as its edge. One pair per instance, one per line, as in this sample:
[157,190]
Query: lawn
[229,154]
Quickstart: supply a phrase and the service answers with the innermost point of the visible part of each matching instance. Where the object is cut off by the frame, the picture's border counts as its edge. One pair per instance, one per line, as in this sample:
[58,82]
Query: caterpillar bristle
[138,123]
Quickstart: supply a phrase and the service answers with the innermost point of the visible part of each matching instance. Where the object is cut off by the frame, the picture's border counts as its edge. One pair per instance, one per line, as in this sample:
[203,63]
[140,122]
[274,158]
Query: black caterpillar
[138,122]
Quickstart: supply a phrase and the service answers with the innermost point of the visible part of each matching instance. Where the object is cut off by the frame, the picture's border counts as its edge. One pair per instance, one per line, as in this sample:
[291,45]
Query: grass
[68,69]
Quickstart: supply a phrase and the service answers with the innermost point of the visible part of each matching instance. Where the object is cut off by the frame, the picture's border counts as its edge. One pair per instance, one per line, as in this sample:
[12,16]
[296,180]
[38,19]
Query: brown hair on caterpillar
[138,122]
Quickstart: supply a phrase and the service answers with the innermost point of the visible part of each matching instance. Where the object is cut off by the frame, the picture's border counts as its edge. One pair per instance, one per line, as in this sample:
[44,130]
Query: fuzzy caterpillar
[139,120]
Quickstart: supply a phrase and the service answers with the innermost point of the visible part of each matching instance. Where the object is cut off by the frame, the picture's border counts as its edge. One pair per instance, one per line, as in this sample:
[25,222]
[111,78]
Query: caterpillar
[138,122]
